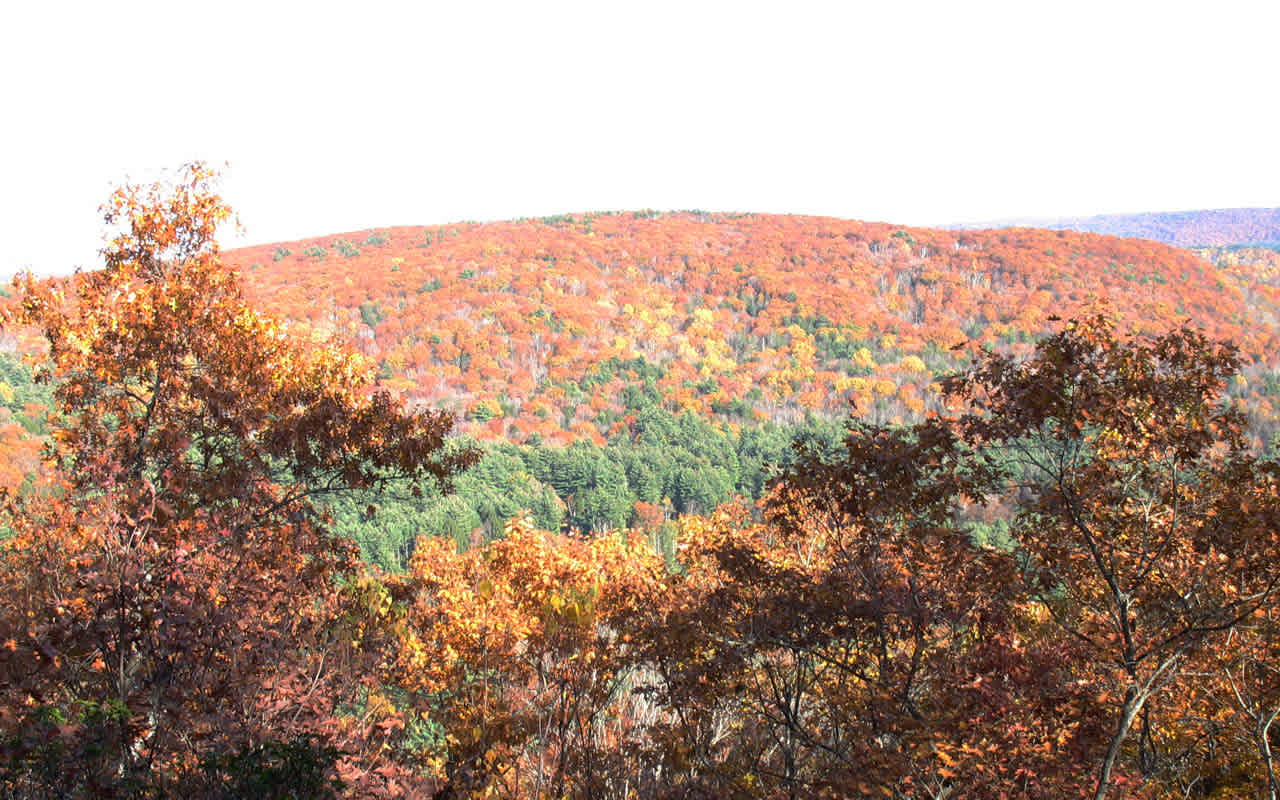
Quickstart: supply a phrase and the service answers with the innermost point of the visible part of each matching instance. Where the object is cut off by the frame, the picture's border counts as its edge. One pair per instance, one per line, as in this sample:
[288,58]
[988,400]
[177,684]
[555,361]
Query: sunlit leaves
[789,306]
[1146,528]
[519,652]
[180,571]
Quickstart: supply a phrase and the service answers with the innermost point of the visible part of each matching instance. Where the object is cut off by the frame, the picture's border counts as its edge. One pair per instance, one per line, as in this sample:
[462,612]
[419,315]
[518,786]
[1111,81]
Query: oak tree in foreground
[1146,528]
[166,603]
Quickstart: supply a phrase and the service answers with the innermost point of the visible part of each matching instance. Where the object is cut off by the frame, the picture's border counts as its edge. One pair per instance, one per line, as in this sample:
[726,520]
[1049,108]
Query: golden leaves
[519,631]
[193,435]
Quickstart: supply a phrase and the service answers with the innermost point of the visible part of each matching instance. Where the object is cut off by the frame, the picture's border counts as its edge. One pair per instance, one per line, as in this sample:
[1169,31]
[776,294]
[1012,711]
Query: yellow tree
[522,654]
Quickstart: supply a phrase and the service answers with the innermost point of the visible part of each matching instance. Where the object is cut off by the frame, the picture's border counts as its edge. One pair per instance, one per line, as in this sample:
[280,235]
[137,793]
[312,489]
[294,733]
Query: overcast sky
[334,117]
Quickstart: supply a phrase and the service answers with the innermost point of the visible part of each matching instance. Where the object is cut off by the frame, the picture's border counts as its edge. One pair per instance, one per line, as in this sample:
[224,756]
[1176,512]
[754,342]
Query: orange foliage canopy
[169,602]
[790,306]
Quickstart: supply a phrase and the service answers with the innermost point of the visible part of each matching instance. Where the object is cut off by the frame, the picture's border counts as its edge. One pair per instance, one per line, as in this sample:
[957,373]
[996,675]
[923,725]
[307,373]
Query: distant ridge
[566,327]
[1208,228]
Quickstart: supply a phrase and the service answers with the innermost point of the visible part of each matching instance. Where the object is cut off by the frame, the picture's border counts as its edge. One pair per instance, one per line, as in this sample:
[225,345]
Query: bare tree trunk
[1268,758]
[1133,702]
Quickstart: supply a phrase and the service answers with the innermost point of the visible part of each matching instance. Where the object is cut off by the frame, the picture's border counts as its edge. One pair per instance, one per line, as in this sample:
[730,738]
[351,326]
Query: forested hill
[560,329]
[624,369]
[1210,228]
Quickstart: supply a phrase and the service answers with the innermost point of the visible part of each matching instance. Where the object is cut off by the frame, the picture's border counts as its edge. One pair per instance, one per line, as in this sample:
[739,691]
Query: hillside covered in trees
[621,370]
[624,369]
[551,328]
[1059,583]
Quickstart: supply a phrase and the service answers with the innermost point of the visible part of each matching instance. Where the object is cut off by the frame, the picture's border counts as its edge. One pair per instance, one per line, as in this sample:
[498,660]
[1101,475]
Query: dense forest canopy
[546,329]
[680,353]
[745,507]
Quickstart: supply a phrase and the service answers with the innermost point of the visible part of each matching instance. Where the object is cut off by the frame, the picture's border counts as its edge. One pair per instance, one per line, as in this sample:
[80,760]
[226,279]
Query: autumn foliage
[168,595]
[860,638]
[1054,578]
[745,317]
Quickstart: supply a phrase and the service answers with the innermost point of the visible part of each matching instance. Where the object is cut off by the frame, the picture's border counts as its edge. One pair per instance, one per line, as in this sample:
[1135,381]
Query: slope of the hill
[561,328]
[1208,228]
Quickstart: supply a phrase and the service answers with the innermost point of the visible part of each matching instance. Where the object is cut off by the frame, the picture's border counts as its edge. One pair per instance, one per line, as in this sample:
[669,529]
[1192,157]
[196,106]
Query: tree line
[662,467]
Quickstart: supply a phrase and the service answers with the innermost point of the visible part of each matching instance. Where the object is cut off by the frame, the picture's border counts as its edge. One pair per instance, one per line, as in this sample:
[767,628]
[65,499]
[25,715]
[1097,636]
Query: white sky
[334,117]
